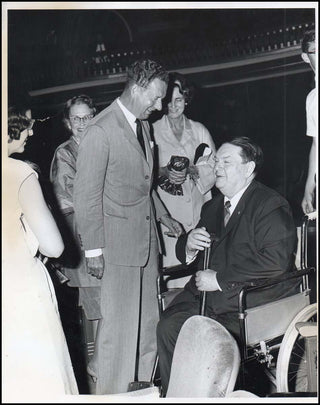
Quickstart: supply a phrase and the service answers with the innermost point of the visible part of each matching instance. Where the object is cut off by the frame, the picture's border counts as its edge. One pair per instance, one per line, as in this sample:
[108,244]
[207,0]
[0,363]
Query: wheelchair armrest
[268,283]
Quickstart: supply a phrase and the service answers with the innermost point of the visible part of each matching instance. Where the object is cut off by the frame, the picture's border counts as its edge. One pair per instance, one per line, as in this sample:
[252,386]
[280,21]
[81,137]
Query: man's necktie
[140,135]
[227,214]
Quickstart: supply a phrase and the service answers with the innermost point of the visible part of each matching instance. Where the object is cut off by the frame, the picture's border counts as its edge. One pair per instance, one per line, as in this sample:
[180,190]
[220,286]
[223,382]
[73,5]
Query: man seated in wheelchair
[255,240]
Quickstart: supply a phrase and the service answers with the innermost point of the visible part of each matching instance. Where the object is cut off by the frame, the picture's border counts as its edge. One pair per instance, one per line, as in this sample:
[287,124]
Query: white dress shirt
[129,116]
[235,199]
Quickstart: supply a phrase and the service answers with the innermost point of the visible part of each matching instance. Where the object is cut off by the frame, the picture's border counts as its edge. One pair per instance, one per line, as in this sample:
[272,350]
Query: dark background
[269,110]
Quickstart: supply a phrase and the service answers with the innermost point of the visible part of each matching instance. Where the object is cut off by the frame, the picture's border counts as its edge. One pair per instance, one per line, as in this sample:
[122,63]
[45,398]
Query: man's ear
[134,89]
[250,168]
[305,57]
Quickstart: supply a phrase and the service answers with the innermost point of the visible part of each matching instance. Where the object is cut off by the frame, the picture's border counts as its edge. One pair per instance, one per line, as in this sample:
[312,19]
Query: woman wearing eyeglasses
[78,111]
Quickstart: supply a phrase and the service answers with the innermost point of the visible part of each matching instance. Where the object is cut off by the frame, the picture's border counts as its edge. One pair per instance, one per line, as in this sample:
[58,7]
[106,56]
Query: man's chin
[219,182]
[146,115]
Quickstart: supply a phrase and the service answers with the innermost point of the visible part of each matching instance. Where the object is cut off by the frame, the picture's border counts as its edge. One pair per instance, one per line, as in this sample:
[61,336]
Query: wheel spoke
[292,365]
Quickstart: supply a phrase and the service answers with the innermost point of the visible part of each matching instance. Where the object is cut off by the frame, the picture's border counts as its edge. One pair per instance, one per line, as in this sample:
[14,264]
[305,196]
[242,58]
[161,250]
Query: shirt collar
[236,198]
[128,114]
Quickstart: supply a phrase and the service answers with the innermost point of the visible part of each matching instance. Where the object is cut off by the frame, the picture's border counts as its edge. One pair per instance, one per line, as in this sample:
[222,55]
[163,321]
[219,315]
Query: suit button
[147,177]
[147,217]
[188,199]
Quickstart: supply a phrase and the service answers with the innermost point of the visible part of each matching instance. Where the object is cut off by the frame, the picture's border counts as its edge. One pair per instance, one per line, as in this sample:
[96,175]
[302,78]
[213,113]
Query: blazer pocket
[106,214]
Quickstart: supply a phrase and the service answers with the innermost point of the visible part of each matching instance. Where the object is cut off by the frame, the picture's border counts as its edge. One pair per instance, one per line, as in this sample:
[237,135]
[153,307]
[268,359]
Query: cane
[207,252]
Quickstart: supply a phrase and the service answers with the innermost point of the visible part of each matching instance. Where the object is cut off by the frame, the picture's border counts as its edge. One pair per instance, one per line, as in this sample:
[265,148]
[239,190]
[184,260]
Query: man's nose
[174,103]
[158,105]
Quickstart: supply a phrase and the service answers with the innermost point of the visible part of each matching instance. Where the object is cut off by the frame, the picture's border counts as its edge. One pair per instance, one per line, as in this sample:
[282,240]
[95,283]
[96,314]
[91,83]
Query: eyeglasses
[311,52]
[77,120]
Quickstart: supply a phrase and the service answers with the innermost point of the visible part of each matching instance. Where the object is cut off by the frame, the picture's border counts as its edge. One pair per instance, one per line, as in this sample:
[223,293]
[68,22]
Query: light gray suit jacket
[115,205]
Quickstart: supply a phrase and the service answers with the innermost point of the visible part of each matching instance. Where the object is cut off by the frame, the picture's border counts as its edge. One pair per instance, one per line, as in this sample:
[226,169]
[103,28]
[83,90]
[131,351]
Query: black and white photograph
[159,202]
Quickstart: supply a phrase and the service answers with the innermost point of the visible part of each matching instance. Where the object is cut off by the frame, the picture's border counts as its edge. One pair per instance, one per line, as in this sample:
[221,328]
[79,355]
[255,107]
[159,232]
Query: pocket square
[151,143]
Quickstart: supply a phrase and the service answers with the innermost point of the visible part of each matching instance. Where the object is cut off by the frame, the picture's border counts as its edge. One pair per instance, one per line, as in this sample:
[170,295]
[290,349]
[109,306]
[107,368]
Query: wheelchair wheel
[291,373]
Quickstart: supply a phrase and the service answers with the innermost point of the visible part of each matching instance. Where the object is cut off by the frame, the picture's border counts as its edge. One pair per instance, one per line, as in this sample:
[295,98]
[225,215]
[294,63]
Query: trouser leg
[116,340]
[149,313]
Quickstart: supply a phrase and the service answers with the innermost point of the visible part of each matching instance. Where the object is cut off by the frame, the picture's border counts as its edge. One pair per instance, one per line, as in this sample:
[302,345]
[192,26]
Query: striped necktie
[227,214]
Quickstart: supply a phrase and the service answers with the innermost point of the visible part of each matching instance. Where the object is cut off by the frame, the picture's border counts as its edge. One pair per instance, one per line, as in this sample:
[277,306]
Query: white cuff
[189,258]
[218,283]
[93,252]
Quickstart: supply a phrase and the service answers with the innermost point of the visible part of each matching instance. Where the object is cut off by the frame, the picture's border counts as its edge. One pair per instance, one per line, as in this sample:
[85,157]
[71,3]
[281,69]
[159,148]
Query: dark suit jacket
[258,243]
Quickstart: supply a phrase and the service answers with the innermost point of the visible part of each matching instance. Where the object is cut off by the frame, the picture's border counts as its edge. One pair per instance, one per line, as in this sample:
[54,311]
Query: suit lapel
[128,132]
[236,215]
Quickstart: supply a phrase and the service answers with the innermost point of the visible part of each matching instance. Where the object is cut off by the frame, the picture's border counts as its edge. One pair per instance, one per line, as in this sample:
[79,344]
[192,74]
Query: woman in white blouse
[184,185]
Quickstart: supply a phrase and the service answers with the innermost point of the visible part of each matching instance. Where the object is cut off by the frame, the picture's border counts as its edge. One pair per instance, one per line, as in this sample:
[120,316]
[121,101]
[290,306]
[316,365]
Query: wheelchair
[285,345]
[297,364]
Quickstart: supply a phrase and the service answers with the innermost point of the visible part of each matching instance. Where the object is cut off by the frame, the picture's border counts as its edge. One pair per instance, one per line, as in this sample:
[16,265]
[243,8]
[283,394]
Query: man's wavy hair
[142,72]
[17,122]
[250,151]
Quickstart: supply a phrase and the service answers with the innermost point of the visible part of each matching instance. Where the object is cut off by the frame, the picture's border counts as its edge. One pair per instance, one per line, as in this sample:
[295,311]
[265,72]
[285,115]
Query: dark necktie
[140,135]
[227,214]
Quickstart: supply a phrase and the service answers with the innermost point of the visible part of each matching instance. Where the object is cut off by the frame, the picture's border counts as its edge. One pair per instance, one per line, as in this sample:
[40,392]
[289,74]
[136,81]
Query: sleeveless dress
[36,360]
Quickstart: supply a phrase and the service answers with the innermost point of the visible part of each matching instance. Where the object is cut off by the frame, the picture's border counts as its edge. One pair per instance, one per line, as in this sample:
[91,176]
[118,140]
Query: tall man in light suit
[116,211]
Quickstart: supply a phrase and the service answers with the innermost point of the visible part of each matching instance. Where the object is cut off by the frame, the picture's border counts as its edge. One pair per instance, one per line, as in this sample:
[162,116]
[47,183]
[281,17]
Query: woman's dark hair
[250,151]
[308,38]
[17,122]
[82,99]
[186,89]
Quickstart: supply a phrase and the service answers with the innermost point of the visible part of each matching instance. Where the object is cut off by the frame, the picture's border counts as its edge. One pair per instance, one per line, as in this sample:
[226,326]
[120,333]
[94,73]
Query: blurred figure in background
[186,152]
[309,56]
[36,361]
[78,111]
